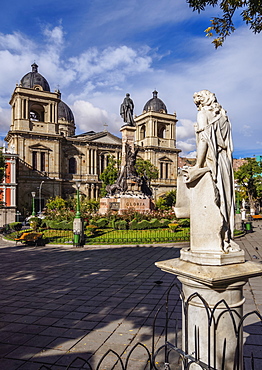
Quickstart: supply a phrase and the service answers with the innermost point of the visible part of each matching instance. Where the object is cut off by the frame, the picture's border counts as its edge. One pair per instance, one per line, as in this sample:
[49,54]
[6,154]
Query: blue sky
[97,51]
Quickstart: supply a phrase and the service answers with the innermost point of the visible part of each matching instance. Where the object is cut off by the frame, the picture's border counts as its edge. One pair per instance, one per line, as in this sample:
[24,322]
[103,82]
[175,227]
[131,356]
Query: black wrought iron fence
[104,236]
[174,353]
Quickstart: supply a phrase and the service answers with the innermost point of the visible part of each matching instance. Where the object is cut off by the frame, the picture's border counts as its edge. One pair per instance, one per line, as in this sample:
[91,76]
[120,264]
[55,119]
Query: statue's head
[204,98]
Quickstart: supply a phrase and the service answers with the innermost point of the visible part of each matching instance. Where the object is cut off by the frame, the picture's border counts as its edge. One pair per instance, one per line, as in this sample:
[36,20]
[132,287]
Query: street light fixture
[78,226]
[78,213]
[33,203]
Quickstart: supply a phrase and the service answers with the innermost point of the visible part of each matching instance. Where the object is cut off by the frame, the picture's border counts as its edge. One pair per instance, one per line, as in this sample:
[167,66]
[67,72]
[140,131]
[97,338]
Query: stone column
[209,326]
[128,137]
[95,162]
[91,151]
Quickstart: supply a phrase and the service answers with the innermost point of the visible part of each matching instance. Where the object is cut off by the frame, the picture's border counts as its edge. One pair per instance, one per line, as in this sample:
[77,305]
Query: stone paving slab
[59,303]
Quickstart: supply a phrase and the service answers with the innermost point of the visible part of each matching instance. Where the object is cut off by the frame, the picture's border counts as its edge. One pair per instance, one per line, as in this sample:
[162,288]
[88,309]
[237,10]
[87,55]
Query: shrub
[173,227]
[164,222]
[35,222]
[17,226]
[143,225]
[91,229]
[62,225]
[121,225]
[154,224]
[184,222]
[133,225]
[101,222]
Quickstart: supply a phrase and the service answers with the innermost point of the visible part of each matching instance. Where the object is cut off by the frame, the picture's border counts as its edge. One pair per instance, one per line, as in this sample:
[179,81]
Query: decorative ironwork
[171,355]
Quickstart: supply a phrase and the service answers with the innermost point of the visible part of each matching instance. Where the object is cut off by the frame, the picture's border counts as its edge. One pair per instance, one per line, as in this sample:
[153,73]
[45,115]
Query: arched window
[72,165]
[143,132]
[37,113]
[162,132]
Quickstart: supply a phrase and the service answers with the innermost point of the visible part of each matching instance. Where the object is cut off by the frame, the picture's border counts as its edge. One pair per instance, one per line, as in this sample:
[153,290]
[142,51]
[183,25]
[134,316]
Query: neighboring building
[51,157]
[8,188]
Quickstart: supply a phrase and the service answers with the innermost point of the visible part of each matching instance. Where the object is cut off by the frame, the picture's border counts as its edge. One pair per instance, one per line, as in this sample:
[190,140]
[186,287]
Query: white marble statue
[206,191]
[214,150]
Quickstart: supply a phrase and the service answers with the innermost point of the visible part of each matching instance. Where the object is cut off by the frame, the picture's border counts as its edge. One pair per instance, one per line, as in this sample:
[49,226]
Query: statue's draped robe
[217,135]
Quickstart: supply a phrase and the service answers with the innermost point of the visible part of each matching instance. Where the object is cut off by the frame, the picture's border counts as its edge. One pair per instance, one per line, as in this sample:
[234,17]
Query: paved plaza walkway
[59,303]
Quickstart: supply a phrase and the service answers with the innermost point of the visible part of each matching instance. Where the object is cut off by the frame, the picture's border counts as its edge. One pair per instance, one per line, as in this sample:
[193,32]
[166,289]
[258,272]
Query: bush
[35,222]
[101,223]
[62,225]
[133,225]
[173,227]
[90,230]
[17,226]
[154,224]
[184,222]
[164,222]
[121,225]
[143,225]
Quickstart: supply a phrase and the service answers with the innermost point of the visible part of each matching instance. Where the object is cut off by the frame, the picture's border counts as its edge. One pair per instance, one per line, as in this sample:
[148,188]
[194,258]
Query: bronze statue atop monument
[126,110]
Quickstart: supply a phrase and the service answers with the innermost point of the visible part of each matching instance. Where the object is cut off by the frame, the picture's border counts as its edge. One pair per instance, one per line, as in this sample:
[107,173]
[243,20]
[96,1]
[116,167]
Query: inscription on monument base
[114,206]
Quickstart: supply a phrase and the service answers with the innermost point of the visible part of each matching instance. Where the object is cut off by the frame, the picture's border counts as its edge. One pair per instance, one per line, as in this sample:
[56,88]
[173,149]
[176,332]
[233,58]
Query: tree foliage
[109,175]
[145,167]
[223,26]
[166,201]
[249,178]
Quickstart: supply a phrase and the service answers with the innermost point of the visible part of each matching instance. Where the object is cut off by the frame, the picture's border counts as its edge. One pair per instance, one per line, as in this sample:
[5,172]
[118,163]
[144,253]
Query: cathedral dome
[155,105]
[34,80]
[65,113]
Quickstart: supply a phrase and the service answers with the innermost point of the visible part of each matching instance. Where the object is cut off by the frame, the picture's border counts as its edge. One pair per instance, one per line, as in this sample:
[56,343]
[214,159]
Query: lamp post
[40,197]
[17,215]
[33,203]
[78,213]
[78,226]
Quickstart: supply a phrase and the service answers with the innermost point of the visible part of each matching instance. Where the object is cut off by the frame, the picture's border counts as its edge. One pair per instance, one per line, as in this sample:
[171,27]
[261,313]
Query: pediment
[106,138]
[39,146]
[165,159]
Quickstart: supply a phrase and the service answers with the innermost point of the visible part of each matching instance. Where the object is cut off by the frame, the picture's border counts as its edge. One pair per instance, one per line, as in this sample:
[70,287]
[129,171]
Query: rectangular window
[167,164]
[42,156]
[161,170]
[34,160]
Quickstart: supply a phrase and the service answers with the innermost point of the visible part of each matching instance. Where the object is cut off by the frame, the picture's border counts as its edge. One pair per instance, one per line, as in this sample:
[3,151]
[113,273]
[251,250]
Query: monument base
[123,203]
[212,258]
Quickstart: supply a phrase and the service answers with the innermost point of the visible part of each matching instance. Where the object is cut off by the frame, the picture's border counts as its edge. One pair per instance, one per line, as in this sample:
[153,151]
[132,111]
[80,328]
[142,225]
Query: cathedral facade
[51,157]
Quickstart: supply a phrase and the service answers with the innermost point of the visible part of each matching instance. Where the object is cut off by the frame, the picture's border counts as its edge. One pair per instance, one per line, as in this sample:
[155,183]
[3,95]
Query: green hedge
[17,226]
[121,225]
[101,223]
[62,225]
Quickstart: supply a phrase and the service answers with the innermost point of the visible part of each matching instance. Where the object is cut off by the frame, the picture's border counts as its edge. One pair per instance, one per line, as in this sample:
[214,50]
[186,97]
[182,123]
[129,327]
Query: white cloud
[89,117]
[110,66]
[5,120]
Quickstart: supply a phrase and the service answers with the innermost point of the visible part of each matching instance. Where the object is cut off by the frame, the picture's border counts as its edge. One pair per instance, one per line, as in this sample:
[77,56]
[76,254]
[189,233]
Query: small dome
[65,113]
[33,80]
[155,105]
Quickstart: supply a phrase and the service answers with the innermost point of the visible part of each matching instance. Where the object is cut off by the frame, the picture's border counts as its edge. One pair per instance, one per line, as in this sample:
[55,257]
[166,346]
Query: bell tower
[156,137]
[34,107]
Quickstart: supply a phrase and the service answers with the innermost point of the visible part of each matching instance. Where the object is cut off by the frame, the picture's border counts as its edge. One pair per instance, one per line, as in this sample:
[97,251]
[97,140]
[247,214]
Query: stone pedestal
[124,203]
[128,137]
[210,328]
